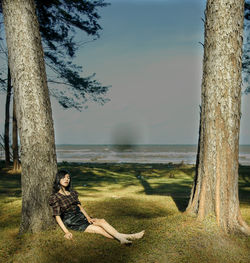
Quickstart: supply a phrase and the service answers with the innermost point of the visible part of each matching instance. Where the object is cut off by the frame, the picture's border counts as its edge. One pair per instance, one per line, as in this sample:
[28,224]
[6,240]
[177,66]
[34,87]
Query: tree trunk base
[243,226]
[239,227]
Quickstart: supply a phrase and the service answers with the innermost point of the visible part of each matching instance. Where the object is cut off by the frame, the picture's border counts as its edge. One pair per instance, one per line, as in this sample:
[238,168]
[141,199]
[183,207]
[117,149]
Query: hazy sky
[149,52]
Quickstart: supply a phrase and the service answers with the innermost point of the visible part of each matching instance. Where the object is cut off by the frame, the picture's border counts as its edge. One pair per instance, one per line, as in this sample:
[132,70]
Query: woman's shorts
[75,220]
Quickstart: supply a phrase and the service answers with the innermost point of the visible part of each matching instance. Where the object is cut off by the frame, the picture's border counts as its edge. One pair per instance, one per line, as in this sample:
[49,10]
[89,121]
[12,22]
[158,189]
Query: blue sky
[149,52]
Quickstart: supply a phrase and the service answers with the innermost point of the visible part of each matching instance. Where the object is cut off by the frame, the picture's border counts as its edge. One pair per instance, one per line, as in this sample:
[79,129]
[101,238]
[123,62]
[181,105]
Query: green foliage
[59,21]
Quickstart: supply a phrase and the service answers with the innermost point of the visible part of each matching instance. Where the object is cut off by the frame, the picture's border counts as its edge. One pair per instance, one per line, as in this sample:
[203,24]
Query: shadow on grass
[129,208]
[11,218]
[130,174]
[179,191]
[125,214]
[10,184]
[156,179]
[244,173]
[89,249]
[88,177]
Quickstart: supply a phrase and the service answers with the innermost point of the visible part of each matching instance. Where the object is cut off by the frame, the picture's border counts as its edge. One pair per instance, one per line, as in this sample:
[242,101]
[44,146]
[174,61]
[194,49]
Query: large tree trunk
[16,163]
[215,190]
[33,110]
[7,121]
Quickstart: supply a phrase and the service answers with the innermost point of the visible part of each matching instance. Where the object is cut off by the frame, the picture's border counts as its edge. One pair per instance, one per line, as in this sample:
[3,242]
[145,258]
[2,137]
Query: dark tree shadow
[178,191]
[89,176]
[10,184]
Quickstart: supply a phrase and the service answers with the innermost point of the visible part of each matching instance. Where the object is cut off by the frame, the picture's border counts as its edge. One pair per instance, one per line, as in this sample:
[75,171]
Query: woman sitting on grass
[69,213]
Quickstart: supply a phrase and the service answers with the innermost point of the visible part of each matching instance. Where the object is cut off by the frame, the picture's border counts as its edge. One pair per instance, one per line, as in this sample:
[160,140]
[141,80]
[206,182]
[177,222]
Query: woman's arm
[67,235]
[85,213]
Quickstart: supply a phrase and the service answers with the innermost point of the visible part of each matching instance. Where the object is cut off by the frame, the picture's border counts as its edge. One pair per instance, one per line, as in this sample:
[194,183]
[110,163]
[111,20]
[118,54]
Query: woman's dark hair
[61,174]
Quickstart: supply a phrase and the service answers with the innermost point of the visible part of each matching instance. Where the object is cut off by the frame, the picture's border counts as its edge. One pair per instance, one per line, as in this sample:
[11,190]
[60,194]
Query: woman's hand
[90,219]
[93,220]
[68,235]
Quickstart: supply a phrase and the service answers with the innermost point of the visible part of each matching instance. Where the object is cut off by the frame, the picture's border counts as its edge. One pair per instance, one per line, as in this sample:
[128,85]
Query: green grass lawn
[131,197]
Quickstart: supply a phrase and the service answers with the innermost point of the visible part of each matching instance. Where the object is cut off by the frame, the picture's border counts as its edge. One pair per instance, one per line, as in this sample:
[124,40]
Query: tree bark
[215,189]
[34,116]
[16,162]
[7,121]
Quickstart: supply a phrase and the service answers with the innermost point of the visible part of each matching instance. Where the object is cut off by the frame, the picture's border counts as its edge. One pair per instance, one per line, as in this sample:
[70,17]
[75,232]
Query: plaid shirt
[62,203]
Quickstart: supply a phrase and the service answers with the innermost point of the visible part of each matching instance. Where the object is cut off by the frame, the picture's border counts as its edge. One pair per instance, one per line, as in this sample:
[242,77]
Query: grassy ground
[131,197]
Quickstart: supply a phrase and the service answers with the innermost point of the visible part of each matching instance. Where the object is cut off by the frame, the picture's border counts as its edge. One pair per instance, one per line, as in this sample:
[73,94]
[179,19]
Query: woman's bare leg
[123,238]
[98,230]
[134,236]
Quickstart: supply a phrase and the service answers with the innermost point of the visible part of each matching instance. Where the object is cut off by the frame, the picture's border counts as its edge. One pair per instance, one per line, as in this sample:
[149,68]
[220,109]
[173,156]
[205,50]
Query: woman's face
[65,180]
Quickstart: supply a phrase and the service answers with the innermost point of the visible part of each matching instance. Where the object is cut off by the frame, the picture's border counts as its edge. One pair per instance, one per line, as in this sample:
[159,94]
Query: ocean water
[136,154]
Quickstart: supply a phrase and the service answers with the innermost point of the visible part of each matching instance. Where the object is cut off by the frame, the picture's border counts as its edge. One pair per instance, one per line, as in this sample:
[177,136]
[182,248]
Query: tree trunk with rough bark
[16,162]
[7,121]
[34,116]
[215,189]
